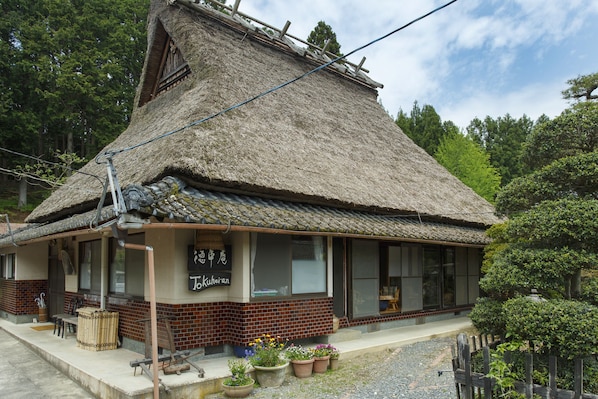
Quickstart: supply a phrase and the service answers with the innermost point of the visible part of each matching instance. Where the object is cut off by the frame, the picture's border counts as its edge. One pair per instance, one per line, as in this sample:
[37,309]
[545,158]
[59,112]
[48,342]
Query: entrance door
[55,286]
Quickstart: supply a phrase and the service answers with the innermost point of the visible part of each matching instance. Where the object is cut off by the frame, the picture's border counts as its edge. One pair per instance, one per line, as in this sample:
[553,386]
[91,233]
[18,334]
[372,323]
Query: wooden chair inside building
[393,304]
[69,320]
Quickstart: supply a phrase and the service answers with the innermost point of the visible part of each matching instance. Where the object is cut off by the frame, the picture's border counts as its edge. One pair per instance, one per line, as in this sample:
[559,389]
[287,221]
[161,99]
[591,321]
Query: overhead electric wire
[56,164]
[110,153]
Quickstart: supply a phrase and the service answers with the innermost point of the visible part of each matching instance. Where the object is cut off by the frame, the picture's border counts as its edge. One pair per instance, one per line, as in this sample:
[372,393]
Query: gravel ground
[407,372]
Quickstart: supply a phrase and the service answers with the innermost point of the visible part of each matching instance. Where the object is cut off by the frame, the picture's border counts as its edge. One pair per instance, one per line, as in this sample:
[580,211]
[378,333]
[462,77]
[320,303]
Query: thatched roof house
[307,198]
[321,140]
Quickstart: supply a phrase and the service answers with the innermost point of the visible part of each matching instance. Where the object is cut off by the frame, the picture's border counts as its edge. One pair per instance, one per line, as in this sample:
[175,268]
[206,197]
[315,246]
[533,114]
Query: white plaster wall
[32,262]
[170,262]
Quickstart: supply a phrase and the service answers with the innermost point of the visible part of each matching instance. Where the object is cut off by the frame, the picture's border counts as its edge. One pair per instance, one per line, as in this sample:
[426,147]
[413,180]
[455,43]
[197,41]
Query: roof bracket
[118,202]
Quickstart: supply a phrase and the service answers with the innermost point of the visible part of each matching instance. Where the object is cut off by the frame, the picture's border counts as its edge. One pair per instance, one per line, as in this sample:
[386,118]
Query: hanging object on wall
[208,240]
[67,263]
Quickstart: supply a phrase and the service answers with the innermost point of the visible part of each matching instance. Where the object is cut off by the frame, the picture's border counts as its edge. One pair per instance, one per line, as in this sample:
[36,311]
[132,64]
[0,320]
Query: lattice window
[166,67]
[174,69]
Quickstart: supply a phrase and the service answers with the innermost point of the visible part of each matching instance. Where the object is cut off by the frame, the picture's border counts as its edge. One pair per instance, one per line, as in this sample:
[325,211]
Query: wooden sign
[209,259]
[202,281]
[208,268]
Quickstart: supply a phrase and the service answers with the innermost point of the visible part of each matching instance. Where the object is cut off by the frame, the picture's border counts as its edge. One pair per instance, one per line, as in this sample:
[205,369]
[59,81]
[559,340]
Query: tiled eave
[171,199]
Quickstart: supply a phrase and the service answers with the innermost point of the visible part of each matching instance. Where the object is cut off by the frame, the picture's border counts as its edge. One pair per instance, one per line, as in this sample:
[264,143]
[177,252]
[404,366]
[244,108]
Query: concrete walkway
[108,374]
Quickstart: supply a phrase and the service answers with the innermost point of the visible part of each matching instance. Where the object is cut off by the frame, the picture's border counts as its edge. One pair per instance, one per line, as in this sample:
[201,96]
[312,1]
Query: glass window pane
[448,283]
[365,297]
[271,260]
[411,260]
[90,265]
[309,265]
[117,268]
[365,257]
[431,276]
[461,261]
[461,297]
[127,267]
[411,294]
[85,265]
[394,261]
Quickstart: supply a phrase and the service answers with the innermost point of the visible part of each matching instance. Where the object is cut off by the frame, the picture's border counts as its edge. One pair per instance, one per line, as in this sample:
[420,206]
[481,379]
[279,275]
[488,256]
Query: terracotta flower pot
[333,364]
[238,391]
[303,368]
[271,376]
[321,364]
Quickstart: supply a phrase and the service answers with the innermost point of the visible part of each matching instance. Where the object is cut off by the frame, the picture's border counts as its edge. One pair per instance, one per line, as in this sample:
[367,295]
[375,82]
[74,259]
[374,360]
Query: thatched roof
[323,140]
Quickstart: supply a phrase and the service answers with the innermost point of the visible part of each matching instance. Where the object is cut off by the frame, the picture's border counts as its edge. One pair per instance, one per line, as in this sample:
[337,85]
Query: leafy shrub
[487,316]
[563,328]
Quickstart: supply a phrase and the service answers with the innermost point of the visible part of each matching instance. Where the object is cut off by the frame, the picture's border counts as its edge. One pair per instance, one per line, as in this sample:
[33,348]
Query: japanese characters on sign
[208,268]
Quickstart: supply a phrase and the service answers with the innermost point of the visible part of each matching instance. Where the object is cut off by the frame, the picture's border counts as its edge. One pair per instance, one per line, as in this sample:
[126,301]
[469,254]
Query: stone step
[343,334]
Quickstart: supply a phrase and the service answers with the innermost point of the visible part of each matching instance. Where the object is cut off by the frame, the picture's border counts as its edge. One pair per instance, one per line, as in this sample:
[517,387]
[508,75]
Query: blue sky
[472,59]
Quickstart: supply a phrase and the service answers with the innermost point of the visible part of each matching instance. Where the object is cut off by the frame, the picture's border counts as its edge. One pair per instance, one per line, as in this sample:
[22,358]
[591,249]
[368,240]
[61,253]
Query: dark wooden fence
[475,385]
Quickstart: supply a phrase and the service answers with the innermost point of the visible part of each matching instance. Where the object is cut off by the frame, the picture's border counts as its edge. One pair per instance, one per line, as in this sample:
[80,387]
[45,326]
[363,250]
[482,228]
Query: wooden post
[487,380]
[466,355]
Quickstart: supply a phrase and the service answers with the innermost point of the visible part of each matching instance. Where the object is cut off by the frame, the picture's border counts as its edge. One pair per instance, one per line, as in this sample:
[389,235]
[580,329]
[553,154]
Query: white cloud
[473,58]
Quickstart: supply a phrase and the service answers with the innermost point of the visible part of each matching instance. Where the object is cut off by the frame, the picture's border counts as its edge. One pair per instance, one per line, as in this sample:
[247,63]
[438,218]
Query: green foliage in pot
[239,376]
[267,351]
[297,352]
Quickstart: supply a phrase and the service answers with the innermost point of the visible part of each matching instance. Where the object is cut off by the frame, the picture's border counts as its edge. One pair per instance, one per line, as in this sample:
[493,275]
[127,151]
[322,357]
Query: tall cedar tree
[69,70]
[323,33]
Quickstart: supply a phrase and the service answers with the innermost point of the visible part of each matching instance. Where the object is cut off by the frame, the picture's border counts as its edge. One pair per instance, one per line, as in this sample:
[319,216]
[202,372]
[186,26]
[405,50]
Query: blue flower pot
[243,351]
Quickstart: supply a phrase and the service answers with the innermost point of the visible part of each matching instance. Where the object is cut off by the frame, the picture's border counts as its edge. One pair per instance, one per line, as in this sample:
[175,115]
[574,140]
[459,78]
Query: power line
[110,153]
[29,176]
[56,164]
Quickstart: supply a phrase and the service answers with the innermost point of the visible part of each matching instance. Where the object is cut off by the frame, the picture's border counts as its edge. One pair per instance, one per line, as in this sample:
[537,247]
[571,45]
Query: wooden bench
[70,322]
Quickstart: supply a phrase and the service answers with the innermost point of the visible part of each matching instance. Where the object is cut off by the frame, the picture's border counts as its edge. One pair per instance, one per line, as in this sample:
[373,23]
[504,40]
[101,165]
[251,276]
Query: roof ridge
[282,38]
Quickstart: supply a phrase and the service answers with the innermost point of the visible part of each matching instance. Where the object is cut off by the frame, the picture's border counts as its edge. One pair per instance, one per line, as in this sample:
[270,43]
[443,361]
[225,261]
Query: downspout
[104,271]
[153,311]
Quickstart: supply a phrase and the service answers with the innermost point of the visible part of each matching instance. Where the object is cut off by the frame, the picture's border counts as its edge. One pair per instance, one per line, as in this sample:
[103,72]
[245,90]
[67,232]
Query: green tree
[469,163]
[424,127]
[69,74]
[324,37]
[549,244]
[573,132]
[503,139]
[582,87]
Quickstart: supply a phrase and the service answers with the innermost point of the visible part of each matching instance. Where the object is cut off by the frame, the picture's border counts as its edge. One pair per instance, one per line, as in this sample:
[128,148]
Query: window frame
[113,248]
[4,264]
[294,259]
[95,266]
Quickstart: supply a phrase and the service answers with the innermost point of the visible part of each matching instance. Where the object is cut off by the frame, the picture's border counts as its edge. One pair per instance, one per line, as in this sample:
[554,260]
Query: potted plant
[321,356]
[302,360]
[270,366]
[239,384]
[42,309]
[334,355]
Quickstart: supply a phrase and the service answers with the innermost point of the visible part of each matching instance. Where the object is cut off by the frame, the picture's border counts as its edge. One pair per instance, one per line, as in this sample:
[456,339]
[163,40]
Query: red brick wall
[17,296]
[212,324]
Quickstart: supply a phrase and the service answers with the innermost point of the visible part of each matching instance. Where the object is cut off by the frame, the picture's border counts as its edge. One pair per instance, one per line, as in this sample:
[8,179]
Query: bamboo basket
[97,329]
